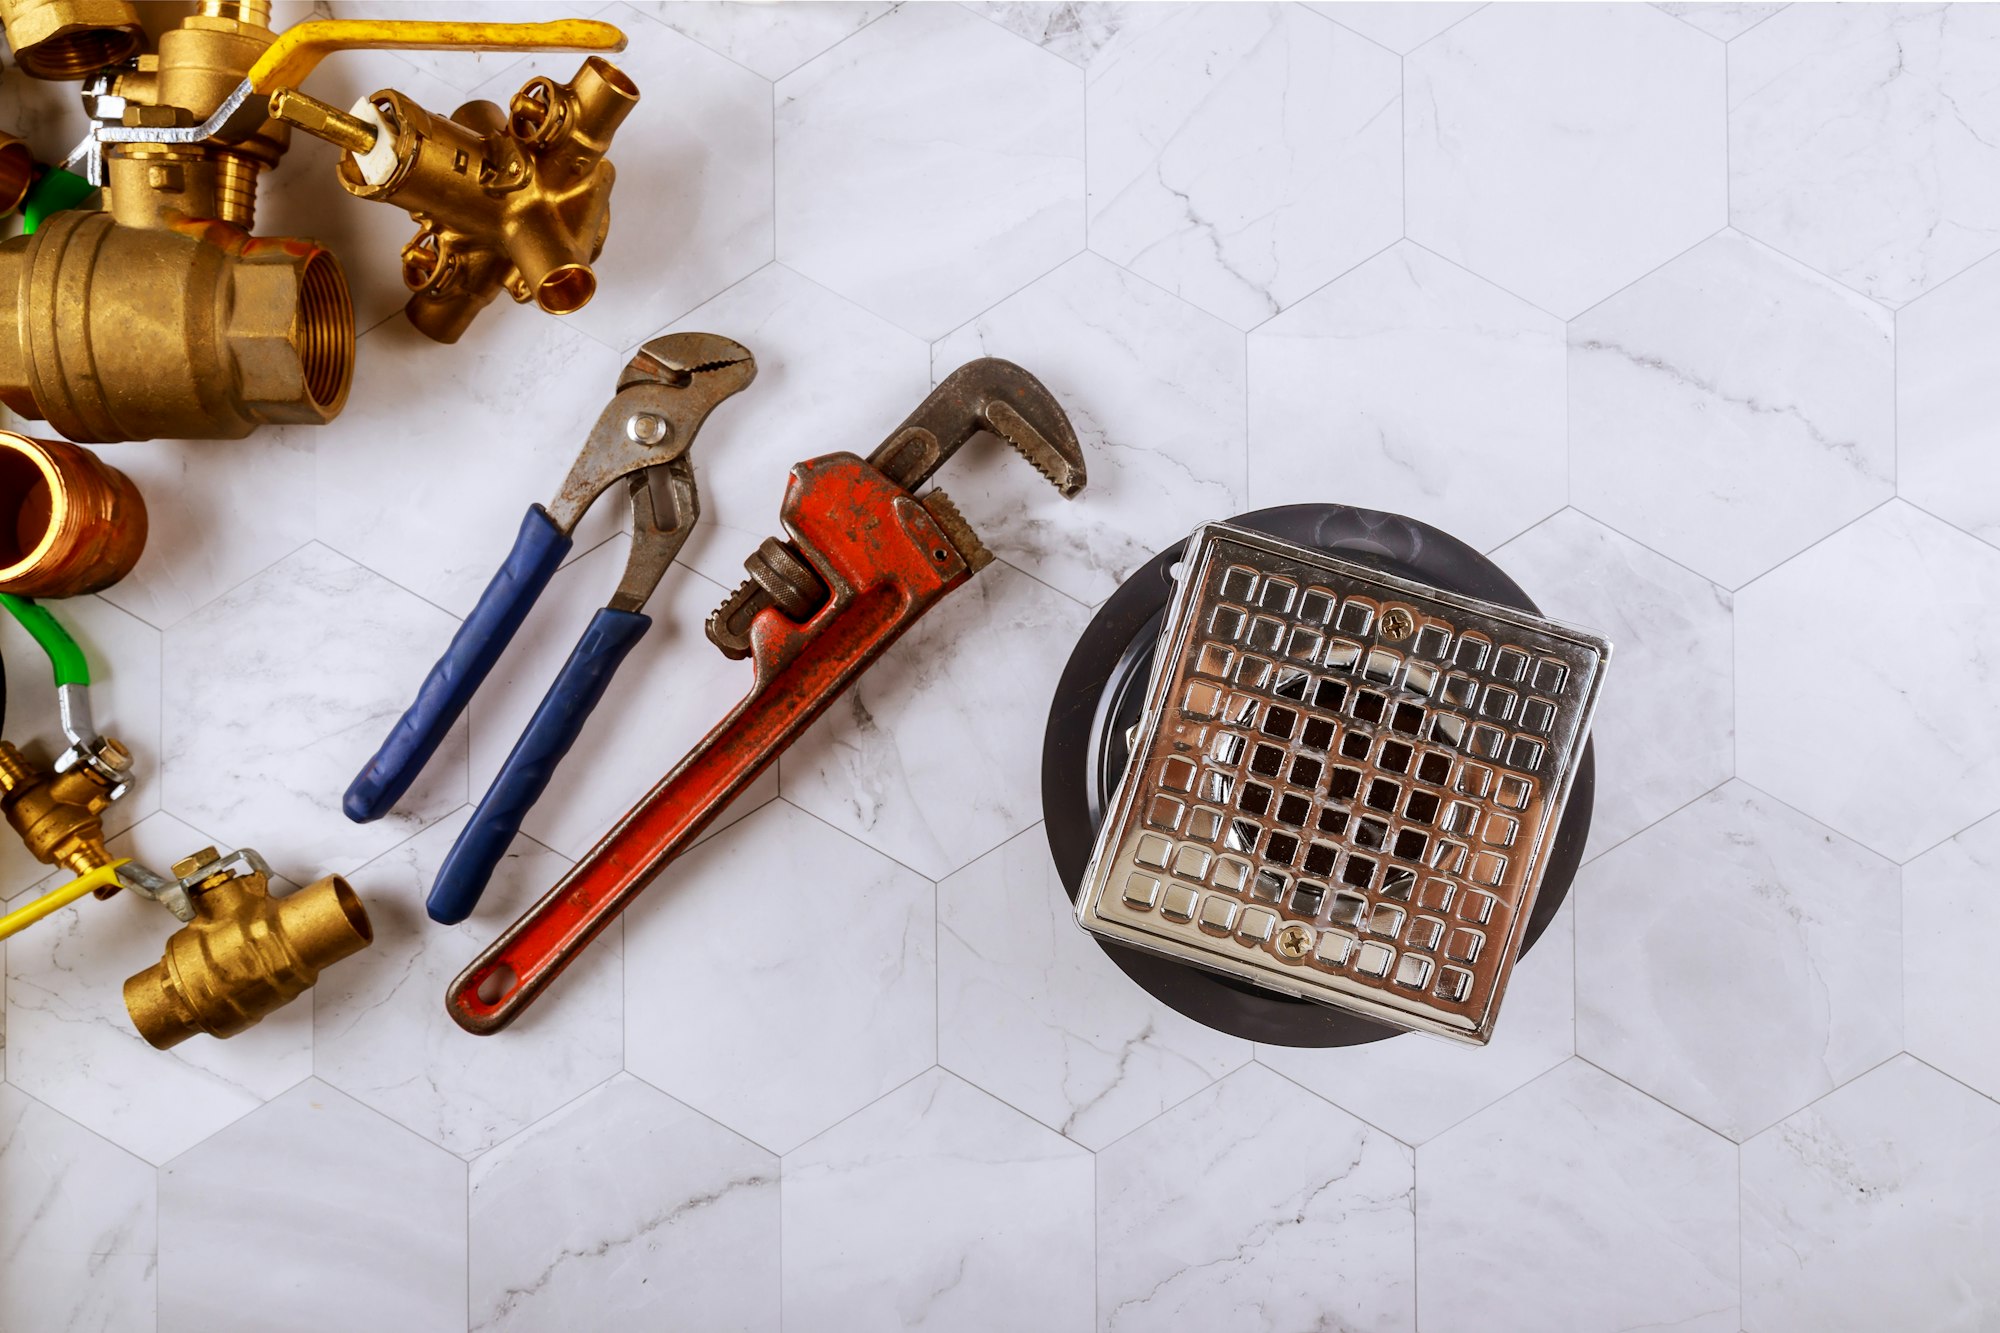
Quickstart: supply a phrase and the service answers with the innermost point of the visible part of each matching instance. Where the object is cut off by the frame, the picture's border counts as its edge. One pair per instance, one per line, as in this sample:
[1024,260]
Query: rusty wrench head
[984,396]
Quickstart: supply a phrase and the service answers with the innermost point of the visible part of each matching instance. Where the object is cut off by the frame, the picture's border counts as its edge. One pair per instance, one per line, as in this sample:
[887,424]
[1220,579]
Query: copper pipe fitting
[67,39]
[245,954]
[69,522]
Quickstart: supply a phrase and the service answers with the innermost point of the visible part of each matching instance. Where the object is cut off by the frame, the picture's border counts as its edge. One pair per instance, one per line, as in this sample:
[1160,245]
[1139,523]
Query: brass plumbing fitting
[60,815]
[245,954]
[161,315]
[67,39]
[516,200]
[69,523]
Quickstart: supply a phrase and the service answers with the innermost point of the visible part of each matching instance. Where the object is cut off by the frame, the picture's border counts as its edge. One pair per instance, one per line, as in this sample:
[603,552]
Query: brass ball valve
[162,315]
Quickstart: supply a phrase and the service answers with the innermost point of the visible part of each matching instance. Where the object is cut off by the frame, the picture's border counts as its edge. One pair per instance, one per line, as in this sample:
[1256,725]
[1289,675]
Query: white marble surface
[1213,1215]
[1875,1208]
[1731,408]
[850,1067]
[1731,908]
[1918,762]
[1577,1204]
[941,1209]
[1864,140]
[1241,155]
[1415,387]
[822,1020]
[1032,1010]
[652,1216]
[1561,151]
[317,1209]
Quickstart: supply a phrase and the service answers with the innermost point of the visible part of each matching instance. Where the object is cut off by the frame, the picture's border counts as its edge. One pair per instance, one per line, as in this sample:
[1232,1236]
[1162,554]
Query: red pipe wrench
[866,557]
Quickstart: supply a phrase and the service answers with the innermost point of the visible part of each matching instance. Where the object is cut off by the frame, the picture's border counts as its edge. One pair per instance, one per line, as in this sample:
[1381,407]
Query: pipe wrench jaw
[987,396]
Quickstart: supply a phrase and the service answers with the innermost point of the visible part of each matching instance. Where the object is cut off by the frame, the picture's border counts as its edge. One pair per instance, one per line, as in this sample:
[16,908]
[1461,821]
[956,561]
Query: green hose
[55,191]
[71,667]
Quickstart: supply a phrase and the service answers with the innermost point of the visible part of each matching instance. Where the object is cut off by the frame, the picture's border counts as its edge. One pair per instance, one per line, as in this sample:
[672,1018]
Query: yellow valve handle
[300,48]
[56,899]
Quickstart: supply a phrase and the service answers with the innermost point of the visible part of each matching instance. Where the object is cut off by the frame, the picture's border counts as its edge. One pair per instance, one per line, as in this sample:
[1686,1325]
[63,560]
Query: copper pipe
[69,523]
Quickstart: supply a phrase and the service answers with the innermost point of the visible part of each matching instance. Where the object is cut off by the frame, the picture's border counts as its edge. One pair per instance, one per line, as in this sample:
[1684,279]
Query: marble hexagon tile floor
[1687,313]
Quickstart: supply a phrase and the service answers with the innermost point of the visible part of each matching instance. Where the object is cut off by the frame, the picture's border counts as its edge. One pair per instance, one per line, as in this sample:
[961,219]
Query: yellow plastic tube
[56,899]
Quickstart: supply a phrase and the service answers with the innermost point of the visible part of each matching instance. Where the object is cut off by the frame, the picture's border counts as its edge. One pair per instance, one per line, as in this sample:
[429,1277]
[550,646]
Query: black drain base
[1099,697]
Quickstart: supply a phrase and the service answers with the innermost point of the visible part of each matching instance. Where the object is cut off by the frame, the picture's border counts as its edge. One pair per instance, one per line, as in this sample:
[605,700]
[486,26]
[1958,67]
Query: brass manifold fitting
[245,954]
[516,200]
[59,816]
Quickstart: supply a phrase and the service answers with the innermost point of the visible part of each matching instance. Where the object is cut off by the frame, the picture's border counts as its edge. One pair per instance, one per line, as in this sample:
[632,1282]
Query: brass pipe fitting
[245,954]
[17,172]
[189,330]
[69,523]
[67,39]
[59,816]
[516,200]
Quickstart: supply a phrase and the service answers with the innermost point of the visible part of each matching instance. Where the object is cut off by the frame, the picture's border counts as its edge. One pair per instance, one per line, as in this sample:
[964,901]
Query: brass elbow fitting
[67,39]
[69,523]
[245,954]
[186,329]
[59,815]
[516,200]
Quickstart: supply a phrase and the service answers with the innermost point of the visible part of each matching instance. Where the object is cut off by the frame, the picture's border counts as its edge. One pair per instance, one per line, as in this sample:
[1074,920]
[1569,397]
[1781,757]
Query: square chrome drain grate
[1344,784]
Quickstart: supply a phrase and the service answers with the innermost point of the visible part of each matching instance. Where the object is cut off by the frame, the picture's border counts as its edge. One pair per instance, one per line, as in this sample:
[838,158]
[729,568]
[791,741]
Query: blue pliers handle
[641,438]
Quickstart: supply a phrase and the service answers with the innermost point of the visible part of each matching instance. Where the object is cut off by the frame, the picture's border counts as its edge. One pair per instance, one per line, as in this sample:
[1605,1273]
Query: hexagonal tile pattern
[924,1211]
[1564,152]
[774,40]
[1947,397]
[1732,408]
[1242,155]
[124,656]
[1865,141]
[381,1033]
[1914,760]
[829,376]
[926,757]
[276,694]
[1031,1010]
[1075,31]
[514,398]
[1719,18]
[1411,385]
[929,165]
[1671,671]
[72,1043]
[673,677]
[848,1009]
[692,210]
[217,513]
[1780,918]
[628,1205]
[352,1222]
[1417,1088]
[1875,1208]
[1154,389]
[1225,1204]
[76,1224]
[1396,24]
[1648,1196]
[1949,914]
